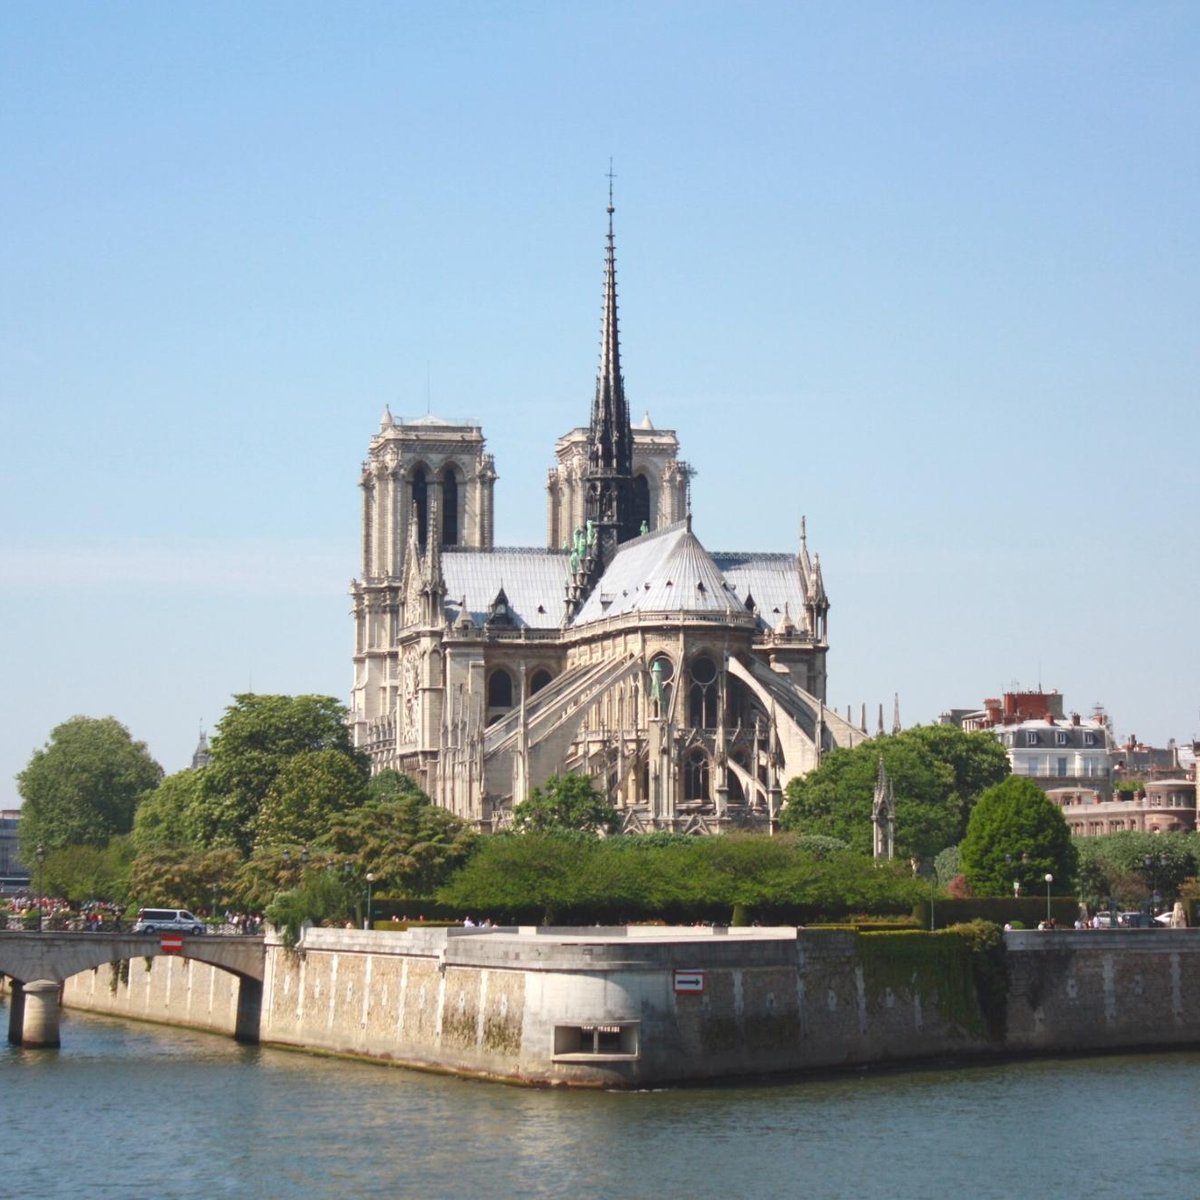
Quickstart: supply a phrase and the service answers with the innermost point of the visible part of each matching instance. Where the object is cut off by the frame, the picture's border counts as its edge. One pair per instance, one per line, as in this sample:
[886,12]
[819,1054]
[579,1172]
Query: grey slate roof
[665,571]
[771,580]
[534,580]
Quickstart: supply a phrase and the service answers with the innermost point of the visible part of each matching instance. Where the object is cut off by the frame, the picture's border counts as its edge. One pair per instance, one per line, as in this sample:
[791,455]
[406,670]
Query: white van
[152,920]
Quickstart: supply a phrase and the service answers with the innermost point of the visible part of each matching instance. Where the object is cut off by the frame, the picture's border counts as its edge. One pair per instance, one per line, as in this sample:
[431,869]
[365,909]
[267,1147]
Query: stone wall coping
[576,949]
[1122,939]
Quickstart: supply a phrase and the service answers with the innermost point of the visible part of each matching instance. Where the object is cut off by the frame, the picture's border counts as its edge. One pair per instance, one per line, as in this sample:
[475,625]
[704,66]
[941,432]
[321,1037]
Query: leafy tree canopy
[169,878]
[253,741]
[936,771]
[83,787]
[1129,867]
[408,843]
[566,802]
[569,874]
[80,873]
[1017,833]
[172,814]
[310,790]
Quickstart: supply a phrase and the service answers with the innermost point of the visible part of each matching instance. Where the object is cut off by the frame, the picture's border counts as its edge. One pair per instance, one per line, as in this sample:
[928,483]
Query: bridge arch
[39,963]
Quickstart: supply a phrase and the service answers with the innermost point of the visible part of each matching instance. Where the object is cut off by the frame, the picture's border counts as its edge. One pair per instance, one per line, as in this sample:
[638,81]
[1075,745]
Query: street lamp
[212,912]
[1049,881]
[367,918]
[40,855]
[1154,864]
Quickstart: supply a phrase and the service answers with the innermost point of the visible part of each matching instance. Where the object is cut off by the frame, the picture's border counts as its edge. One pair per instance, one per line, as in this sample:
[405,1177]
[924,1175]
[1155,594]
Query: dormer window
[499,612]
[1060,738]
[1031,738]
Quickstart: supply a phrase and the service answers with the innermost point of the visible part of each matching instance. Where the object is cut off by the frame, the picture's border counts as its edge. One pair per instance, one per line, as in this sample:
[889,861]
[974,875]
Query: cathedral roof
[771,581]
[532,580]
[665,571]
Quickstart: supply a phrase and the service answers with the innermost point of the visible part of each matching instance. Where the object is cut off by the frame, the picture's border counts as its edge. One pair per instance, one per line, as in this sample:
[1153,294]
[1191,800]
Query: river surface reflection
[132,1110]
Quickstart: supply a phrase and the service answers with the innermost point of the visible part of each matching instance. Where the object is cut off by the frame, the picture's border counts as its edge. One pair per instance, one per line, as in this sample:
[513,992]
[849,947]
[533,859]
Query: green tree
[253,741]
[836,798]
[1129,867]
[310,790]
[165,876]
[172,814]
[408,843]
[936,771]
[977,761]
[569,875]
[566,802]
[1017,833]
[81,873]
[83,787]
[322,897]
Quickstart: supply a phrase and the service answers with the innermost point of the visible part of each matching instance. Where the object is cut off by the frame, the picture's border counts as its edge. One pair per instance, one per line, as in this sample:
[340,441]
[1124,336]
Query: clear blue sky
[926,273]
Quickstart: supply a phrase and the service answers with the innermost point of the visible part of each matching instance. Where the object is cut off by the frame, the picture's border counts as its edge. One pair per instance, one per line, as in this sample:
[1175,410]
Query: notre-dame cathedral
[689,684]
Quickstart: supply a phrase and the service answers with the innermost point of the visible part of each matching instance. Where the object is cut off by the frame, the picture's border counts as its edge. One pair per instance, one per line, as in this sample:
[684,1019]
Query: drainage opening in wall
[613,1041]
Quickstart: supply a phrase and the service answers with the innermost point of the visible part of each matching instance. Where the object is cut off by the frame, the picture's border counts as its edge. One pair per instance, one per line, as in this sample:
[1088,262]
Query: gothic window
[702,695]
[737,703]
[449,507]
[538,680]
[695,776]
[420,496]
[500,689]
[661,672]
[641,503]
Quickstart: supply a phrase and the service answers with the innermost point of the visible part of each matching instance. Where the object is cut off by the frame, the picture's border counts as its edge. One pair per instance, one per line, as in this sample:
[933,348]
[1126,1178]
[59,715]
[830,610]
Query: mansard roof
[665,571]
[533,581]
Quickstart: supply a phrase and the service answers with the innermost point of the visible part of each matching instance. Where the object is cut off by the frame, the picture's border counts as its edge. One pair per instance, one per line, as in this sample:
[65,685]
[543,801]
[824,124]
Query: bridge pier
[16,1010]
[249,1010]
[39,1026]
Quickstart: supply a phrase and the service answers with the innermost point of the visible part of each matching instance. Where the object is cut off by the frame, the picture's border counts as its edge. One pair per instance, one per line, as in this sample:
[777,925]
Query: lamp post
[1154,864]
[40,855]
[367,918]
[1049,881]
[212,912]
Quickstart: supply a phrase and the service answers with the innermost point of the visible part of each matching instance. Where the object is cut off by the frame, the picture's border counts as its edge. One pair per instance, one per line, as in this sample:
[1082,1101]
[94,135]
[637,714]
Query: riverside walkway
[37,963]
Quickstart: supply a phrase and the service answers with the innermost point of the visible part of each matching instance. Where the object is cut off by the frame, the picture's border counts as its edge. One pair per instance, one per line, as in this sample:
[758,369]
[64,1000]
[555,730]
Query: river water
[139,1111]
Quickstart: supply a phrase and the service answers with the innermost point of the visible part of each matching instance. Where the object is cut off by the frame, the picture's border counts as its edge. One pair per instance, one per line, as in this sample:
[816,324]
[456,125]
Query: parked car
[171,920]
[1137,920]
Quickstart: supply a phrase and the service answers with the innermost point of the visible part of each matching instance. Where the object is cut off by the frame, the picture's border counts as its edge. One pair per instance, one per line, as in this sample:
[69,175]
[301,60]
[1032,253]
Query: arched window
[449,507]
[702,694]
[661,672]
[500,689]
[695,776]
[641,503]
[538,680]
[420,497]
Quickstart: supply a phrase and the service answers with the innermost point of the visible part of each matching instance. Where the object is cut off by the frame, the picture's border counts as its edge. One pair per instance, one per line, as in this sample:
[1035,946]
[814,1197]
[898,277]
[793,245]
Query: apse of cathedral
[689,684]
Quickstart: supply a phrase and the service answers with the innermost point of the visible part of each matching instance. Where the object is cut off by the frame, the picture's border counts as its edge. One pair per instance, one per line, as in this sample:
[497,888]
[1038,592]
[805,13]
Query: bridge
[38,963]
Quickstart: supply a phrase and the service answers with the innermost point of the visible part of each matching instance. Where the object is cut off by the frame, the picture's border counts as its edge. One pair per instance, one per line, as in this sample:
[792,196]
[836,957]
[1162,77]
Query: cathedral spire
[610,442]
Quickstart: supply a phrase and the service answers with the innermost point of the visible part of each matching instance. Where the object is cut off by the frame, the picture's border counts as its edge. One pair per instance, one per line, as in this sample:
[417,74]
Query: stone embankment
[638,1007]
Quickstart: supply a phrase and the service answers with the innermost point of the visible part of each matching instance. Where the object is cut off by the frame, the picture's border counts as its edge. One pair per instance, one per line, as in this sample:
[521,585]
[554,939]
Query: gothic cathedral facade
[689,684]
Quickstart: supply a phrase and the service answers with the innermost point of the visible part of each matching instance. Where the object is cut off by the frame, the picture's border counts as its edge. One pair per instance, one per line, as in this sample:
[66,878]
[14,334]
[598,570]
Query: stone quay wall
[166,988]
[631,1008]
